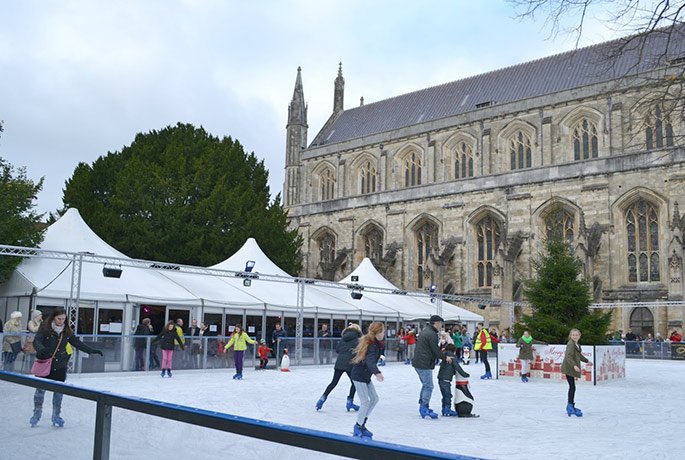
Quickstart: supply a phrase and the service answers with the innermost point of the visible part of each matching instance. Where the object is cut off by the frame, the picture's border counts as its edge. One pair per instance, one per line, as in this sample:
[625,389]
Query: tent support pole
[300,322]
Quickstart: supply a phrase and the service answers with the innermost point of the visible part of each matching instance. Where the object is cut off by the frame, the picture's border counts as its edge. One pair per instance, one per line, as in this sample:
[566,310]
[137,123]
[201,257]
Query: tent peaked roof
[368,276]
[251,251]
[72,234]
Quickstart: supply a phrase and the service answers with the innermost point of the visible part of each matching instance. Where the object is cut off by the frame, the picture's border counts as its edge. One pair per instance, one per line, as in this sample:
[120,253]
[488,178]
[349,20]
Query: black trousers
[484,358]
[571,388]
[336,378]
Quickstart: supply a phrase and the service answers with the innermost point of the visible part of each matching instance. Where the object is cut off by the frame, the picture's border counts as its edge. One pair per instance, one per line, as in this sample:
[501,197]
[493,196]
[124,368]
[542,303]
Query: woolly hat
[16,314]
[36,314]
[262,341]
[435,319]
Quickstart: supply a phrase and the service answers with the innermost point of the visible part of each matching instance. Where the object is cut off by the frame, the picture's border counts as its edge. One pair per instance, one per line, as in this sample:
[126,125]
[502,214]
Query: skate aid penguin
[285,362]
[463,399]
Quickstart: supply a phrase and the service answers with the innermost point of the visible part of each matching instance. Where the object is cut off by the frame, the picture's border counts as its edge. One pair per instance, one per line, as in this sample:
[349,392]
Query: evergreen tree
[182,195]
[560,298]
[19,223]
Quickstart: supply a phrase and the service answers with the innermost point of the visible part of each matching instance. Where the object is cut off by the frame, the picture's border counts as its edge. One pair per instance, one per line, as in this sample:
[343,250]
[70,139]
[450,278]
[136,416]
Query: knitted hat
[36,314]
[262,341]
[16,314]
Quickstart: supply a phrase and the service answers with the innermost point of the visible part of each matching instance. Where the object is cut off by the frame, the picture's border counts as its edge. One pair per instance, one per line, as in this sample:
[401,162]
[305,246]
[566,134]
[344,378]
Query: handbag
[42,367]
[16,347]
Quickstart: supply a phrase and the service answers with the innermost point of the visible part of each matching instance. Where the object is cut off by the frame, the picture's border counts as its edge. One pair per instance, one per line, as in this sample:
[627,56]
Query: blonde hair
[571,332]
[365,342]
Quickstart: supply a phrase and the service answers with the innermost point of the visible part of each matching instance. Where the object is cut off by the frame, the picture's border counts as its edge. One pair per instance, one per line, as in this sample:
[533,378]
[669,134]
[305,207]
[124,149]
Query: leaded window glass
[488,239]
[642,230]
[463,163]
[368,178]
[426,236]
[412,170]
[327,249]
[520,151]
[659,130]
[373,244]
[559,222]
[327,184]
[585,142]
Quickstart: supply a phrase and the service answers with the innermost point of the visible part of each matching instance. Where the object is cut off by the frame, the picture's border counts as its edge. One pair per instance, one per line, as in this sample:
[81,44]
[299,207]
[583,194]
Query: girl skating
[168,335]
[525,345]
[345,350]
[239,341]
[571,368]
[365,361]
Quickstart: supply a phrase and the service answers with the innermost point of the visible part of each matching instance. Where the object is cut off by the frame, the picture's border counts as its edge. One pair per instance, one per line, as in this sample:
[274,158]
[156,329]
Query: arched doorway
[642,322]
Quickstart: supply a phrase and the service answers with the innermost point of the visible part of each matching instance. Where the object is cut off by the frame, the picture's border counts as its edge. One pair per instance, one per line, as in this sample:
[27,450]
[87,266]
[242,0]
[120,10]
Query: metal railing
[653,350]
[320,441]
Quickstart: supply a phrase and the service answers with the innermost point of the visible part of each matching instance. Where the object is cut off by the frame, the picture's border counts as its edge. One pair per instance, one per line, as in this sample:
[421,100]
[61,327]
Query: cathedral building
[458,185]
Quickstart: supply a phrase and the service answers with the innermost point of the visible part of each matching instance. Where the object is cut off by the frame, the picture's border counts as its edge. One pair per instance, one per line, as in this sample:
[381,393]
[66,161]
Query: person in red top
[675,337]
[411,344]
[263,351]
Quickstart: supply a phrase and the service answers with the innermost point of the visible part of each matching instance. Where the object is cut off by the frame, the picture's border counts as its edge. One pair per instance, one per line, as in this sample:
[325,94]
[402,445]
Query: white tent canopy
[408,307]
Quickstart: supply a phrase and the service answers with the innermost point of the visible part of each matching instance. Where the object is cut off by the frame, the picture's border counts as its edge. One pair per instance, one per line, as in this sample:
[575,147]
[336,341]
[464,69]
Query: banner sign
[610,363]
[678,350]
[546,363]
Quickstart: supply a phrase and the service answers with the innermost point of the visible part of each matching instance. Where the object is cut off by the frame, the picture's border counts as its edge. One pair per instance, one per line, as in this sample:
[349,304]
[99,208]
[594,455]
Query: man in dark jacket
[278,333]
[140,343]
[426,354]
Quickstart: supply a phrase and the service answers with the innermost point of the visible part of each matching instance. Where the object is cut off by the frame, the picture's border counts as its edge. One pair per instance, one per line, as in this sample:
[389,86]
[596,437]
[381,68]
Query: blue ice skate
[524,378]
[319,403]
[577,411]
[163,372]
[239,376]
[447,412]
[425,411]
[57,421]
[487,375]
[360,431]
[351,405]
[570,410]
[35,418]
[168,372]
[235,377]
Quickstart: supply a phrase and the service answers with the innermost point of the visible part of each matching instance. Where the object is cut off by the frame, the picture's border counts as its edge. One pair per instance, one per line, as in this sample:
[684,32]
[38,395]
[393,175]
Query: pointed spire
[339,94]
[361,101]
[297,110]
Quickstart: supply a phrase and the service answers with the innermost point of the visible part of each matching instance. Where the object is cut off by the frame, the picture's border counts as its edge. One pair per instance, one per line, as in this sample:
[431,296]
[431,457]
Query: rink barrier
[320,441]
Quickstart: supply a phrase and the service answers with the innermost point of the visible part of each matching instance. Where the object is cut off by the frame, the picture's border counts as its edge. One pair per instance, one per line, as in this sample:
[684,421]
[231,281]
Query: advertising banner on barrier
[678,350]
[610,363]
[546,363]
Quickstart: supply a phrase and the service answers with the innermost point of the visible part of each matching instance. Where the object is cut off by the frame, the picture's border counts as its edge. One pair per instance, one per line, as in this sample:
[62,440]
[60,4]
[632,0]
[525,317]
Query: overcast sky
[79,79]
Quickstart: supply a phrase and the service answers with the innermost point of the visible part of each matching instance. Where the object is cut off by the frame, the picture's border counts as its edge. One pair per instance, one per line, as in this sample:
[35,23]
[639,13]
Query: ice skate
[163,372]
[577,412]
[57,420]
[36,416]
[425,411]
[319,403]
[447,412]
[570,410]
[487,375]
[360,431]
[235,377]
[168,372]
[351,405]
[524,378]
[239,376]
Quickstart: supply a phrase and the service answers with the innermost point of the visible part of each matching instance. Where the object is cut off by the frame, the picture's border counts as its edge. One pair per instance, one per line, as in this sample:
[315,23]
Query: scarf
[527,340]
[58,330]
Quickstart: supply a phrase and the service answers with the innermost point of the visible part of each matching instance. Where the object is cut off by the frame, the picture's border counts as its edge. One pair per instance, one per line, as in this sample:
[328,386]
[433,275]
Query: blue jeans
[426,377]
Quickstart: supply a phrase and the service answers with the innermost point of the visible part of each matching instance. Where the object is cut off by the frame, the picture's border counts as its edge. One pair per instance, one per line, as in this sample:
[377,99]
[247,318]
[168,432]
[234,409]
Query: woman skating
[349,341]
[525,345]
[365,361]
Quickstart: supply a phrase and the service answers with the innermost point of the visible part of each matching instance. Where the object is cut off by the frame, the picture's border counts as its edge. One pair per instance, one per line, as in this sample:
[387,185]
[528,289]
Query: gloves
[96,352]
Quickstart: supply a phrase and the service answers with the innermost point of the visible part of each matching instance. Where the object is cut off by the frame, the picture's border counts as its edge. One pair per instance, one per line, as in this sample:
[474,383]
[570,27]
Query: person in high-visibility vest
[482,345]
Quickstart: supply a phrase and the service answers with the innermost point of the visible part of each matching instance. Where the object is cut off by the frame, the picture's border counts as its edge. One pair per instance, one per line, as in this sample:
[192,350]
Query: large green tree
[182,195]
[560,298]
[20,225]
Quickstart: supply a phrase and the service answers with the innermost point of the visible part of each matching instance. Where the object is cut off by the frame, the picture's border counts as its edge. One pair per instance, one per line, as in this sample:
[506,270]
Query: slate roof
[548,75]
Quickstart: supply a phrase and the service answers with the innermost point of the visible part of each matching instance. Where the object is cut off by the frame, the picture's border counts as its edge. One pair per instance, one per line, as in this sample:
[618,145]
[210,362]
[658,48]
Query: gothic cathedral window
[326,249]
[368,178]
[642,229]
[373,245]
[412,170]
[520,151]
[559,222]
[426,236]
[488,237]
[585,140]
[659,130]
[327,183]
[463,163]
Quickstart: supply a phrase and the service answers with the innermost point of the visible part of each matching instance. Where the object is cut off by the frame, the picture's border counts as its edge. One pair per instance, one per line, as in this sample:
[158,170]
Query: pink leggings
[166,358]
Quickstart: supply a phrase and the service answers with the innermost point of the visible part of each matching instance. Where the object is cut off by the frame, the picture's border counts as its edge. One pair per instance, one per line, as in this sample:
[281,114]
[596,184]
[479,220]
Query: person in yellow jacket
[482,345]
[239,341]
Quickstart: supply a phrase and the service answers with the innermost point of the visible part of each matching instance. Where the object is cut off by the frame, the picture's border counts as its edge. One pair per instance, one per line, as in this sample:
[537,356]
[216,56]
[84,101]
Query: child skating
[525,345]
[364,363]
[449,369]
[571,369]
[239,341]
[168,336]
[263,352]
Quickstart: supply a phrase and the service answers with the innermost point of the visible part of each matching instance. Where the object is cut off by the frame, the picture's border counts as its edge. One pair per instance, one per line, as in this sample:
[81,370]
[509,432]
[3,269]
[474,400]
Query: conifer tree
[560,298]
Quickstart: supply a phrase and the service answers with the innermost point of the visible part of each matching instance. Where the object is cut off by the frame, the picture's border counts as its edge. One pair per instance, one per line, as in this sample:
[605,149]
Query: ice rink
[635,418]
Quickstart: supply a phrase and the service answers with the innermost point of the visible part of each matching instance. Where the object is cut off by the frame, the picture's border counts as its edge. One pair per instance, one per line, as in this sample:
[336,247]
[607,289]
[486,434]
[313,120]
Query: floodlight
[111,272]
[482,306]
[356,295]
[249,265]
[433,287]
[247,282]
[355,278]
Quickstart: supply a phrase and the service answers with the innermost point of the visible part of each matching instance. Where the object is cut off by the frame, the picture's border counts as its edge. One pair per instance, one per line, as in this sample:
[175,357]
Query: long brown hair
[366,341]
[47,324]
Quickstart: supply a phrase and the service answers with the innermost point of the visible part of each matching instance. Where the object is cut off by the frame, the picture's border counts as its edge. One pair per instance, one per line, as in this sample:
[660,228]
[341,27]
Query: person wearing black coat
[349,341]
[140,343]
[425,356]
[51,341]
[168,335]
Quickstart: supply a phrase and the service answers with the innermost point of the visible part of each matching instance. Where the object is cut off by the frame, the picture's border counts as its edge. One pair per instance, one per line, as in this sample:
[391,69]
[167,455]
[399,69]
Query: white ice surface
[626,419]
